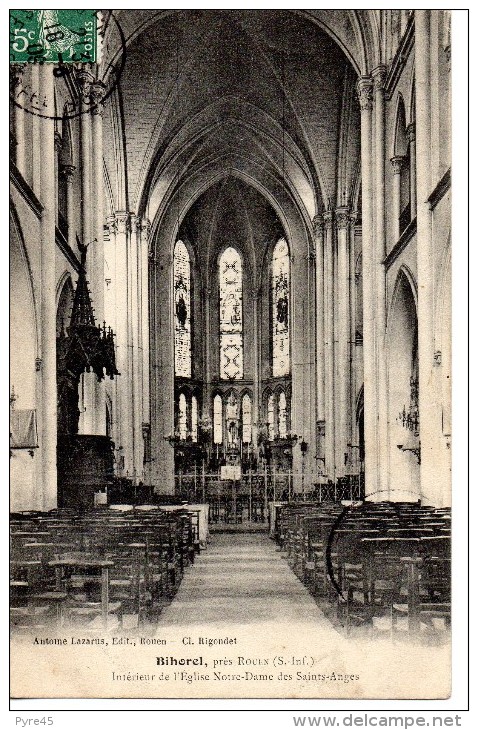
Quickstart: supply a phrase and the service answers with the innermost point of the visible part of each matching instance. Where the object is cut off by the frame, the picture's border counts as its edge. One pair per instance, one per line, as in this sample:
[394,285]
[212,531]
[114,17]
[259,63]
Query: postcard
[230,378]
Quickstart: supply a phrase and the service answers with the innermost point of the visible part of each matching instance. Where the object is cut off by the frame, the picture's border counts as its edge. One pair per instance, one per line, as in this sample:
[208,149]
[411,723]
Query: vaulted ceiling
[266,96]
[231,212]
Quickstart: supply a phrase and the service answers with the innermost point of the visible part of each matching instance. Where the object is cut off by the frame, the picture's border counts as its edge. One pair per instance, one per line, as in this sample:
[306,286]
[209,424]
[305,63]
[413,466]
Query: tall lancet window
[271,426]
[182,311]
[182,418]
[230,315]
[246,419]
[282,415]
[194,418]
[280,309]
[217,421]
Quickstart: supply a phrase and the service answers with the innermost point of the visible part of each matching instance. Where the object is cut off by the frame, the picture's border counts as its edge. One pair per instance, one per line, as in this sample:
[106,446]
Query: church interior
[230,307]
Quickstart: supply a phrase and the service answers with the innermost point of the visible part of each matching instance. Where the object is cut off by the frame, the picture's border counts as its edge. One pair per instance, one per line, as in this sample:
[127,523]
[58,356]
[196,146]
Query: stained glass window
[217,422]
[194,418]
[182,420]
[280,309]
[271,417]
[232,422]
[246,419]
[282,415]
[230,315]
[182,310]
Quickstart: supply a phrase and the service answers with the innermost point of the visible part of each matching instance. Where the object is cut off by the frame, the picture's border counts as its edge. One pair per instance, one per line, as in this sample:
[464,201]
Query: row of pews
[385,566]
[101,570]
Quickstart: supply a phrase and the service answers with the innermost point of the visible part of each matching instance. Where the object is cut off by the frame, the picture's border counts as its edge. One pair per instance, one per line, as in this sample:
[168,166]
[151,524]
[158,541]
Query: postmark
[88,84]
[54,36]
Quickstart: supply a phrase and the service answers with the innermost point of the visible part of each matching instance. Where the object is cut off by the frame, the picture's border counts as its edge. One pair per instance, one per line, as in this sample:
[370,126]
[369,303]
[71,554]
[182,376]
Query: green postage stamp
[53,36]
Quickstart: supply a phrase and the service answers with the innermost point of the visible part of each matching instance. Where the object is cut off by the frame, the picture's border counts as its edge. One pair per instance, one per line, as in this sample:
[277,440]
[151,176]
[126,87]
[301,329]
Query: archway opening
[404,434]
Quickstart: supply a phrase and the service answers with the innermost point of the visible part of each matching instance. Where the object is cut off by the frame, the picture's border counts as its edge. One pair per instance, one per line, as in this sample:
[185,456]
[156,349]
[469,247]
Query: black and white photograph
[230,354]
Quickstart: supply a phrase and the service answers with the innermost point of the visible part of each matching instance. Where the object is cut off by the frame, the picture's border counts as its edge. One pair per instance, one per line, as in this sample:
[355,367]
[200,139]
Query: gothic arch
[402,367]
[24,366]
[64,301]
[17,239]
[400,144]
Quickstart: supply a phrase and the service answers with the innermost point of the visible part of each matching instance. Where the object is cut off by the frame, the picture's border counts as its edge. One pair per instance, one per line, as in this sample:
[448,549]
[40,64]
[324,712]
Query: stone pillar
[57,172]
[318,228]
[143,248]
[329,345]
[397,164]
[36,141]
[48,428]
[124,381]
[256,297]
[134,316]
[97,255]
[111,313]
[379,77]
[413,169]
[310,370]
[432,484]
[17,70]
[342,337]
[85,79]
[162,426]
[352,436]
[206,294]
[365,94]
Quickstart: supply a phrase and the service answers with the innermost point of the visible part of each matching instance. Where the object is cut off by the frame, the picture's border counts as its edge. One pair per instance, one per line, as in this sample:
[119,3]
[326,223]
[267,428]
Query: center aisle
[243,625]
[242,579]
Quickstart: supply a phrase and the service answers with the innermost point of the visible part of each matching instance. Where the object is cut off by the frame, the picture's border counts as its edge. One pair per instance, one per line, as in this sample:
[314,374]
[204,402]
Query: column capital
[397,164]
[318,226]
[143,226]
[132,222]
[122,222]
[379,77]
[97,93]
[353,217]
[411,132]
[85,80]
[342,218]
[328,219]
[365,93]
[111,224]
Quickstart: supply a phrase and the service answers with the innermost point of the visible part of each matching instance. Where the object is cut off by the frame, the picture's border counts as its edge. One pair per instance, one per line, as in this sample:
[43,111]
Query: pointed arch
[400,130]
[403,387]
[64,302]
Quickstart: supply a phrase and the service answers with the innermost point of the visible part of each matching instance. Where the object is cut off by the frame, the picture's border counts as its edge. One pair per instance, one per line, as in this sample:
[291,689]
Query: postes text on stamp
[53,36]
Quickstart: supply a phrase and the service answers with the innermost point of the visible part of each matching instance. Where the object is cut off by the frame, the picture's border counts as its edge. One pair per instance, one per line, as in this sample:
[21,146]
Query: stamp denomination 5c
[53,36]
